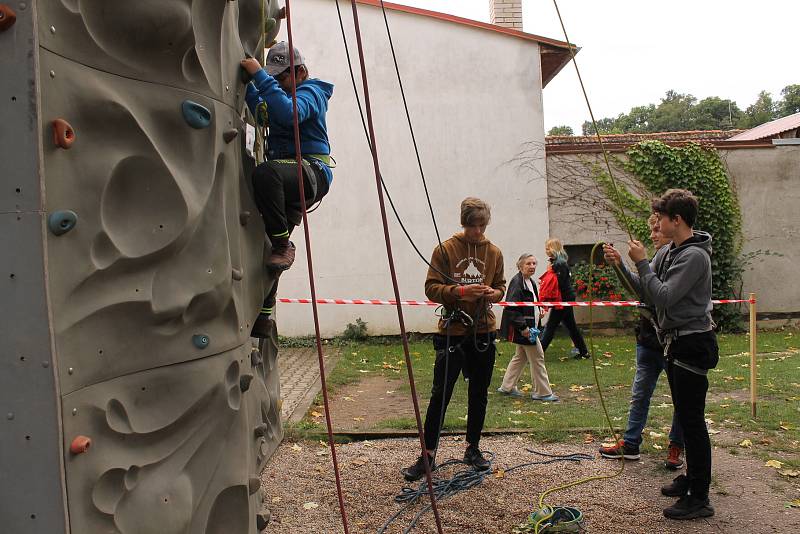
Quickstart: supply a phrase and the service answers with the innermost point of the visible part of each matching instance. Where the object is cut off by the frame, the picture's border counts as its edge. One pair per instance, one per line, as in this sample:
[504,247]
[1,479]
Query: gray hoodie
[678,283]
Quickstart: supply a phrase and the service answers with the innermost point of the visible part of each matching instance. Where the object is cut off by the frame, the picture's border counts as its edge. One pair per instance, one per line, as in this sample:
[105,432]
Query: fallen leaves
[296,448]
[310,506]
[790,472]
[588,438]
[746,443]
[774,463]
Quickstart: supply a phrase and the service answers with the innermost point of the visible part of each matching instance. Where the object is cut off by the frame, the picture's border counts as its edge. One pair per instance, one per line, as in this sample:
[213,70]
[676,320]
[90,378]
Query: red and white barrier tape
[393,302]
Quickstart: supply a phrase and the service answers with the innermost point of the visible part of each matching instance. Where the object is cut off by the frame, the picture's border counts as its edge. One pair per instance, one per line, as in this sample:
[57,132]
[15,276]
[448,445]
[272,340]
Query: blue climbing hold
[61,222]
[197,116]
[200,341]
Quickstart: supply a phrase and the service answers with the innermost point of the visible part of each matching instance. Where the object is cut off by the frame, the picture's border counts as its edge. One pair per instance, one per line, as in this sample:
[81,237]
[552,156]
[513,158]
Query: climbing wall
[131,253]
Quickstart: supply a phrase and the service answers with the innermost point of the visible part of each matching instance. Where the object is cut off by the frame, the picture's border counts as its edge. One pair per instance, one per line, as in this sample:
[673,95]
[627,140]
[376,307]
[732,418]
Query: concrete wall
[766,180]
[768,183]
[474,97]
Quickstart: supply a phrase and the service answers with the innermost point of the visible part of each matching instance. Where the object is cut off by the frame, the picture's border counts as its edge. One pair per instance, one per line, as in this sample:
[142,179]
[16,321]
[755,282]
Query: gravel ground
[301,492]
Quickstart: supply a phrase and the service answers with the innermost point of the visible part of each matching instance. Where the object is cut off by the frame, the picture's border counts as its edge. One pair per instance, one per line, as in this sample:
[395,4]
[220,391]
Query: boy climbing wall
[275,181]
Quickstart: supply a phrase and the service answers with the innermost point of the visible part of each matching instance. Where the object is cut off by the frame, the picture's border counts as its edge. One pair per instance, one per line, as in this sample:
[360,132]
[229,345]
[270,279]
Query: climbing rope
[463,480]
[300,185]
[395,287]
[369,145]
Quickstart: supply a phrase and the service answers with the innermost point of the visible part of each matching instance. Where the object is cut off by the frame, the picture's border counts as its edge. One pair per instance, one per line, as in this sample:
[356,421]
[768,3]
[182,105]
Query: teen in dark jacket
[558,263]
[516,326]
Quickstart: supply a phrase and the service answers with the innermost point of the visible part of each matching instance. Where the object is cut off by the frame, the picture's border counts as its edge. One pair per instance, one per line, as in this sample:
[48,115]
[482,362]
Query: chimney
[506,13]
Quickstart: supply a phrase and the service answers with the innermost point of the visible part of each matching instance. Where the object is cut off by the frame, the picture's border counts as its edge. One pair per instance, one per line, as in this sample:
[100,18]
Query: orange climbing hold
[63,134]
[7,17]
[80,445]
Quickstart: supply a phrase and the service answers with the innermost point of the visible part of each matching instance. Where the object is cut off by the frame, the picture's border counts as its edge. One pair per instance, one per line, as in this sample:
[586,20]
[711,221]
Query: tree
[714,113]
[561,130]
[763,110]
[673,113]
[790,103]
[606,126]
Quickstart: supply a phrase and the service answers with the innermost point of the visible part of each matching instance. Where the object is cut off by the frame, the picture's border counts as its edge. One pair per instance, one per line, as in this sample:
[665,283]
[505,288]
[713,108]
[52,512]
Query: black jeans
[275,189]
[568,317]
[689,397]
[477,363]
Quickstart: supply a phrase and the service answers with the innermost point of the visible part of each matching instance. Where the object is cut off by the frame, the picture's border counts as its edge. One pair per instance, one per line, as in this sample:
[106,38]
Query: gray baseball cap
[278,58]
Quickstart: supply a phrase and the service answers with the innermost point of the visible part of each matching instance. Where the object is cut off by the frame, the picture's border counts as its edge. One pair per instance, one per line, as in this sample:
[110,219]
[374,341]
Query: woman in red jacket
[556,285]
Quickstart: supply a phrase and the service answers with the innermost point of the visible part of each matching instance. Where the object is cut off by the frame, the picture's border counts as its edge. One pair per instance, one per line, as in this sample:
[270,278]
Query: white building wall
[475,96]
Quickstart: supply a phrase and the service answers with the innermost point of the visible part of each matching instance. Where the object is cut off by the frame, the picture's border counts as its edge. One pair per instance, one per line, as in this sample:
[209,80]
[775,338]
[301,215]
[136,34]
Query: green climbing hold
[200,341]
[196,115]
[269,25]
[61,222]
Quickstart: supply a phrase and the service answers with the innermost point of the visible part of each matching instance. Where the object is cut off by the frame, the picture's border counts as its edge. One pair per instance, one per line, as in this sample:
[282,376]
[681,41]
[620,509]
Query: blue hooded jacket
[312,104]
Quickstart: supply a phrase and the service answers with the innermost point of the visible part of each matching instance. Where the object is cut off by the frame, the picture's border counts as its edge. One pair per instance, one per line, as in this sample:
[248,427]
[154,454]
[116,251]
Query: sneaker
[579,356]
[513,393]
[674,460]
[281,258]
[620,450]
[678,488]
[262,328]
[473,457]
[416,471]
[689,507]
[545,398]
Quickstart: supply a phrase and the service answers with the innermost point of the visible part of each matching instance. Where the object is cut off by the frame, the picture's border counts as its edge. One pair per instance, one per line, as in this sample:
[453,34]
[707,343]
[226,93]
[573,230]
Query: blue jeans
[649,364]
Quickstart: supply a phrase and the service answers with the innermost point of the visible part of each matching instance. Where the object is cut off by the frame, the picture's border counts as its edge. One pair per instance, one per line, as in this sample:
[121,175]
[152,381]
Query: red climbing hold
[7,17]
[80,445]
[63,134]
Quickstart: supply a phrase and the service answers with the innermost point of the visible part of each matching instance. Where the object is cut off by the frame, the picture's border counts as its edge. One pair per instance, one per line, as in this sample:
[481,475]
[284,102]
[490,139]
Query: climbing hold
[80,445]
[262,520]
[261,430]
[244,382]
[269,25]
[200,341]
[63,134]
[255,357]
[236,274]
[7,17]
[244,217]
[253,485]
[61,222]
[197,116]
[273,43]
[230,135]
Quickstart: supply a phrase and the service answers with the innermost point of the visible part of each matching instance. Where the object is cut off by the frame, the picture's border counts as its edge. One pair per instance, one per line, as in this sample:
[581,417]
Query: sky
[633,51]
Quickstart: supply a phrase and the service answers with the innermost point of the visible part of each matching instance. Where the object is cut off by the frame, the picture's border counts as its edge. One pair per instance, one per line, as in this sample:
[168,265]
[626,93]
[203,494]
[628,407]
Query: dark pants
[475,357]
[568,317]
[689,398]
[275,190]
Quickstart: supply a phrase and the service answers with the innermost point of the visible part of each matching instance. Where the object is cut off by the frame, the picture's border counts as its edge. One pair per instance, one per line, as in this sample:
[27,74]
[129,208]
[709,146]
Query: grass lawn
[773,434]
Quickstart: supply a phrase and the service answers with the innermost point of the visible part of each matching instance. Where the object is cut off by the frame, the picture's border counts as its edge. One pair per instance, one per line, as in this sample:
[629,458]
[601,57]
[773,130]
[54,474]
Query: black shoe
[417,470]
[584,356]
[262,328]
[689,507]
[678,488]
[473,457]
